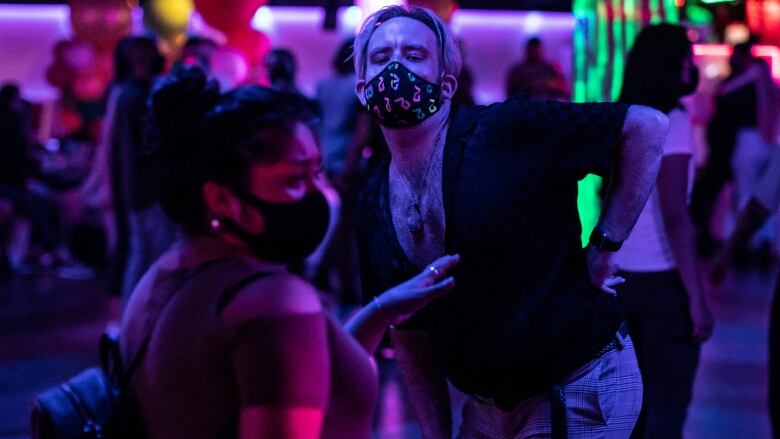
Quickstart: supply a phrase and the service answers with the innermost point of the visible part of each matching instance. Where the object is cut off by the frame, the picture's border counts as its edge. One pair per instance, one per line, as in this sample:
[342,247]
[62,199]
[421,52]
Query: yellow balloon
[168,18]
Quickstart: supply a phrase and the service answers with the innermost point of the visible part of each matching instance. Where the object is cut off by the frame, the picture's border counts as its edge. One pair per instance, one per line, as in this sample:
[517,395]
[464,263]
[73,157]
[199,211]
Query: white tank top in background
[647,248]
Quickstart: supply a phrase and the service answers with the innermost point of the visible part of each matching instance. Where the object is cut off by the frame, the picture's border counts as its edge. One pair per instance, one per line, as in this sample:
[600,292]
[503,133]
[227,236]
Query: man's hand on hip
[602,270]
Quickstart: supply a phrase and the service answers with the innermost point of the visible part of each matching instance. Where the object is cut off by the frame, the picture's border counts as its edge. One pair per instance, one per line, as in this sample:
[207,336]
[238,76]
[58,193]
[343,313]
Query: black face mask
[398,98]
[292,230]
[689,88]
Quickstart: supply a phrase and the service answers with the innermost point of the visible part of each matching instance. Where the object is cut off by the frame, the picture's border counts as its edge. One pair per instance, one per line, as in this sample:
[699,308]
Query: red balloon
[89,86]
[442,8]
[253,44]
[100,22]
[77,56]
[228,15]
[59,75]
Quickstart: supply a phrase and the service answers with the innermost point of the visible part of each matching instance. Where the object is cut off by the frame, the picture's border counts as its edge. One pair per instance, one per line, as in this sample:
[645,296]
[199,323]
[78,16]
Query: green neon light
[632,22]
[589,205]
[698,16]
[602,54]
[673,11]
[620,50]
[655,12]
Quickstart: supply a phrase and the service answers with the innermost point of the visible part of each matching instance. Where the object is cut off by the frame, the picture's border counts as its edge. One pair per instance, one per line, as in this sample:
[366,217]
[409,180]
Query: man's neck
[411,148]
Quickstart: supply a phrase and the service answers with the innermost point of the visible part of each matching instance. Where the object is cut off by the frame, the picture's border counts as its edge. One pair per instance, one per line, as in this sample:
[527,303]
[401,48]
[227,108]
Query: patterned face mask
[398,98]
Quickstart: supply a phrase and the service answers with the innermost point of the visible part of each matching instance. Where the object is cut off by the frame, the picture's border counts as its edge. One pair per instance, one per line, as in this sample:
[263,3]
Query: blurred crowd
[79,178]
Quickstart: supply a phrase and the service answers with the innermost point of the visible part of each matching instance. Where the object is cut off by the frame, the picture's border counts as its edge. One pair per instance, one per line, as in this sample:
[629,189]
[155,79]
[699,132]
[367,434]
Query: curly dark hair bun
[202,135]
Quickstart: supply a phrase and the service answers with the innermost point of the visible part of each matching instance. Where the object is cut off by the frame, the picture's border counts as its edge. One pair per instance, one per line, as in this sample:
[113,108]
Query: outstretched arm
[401,302]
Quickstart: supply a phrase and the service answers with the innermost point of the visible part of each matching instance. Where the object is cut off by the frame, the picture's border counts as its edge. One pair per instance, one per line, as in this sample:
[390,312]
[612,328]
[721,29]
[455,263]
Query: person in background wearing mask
[219,338]
[667,311]
[532,333]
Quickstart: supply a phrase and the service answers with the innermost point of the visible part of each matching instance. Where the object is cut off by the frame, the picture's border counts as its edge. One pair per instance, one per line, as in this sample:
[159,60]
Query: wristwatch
[600,241]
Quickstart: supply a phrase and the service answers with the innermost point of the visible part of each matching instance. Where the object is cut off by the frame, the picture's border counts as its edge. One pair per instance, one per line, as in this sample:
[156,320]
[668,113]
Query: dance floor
[49,329]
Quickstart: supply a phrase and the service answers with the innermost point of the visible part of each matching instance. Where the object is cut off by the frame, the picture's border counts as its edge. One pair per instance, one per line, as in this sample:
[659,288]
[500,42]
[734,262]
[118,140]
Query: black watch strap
[600,241]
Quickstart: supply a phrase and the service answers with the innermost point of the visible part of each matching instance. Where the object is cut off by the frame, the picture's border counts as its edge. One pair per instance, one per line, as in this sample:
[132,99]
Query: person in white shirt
[764,201]
[666,310]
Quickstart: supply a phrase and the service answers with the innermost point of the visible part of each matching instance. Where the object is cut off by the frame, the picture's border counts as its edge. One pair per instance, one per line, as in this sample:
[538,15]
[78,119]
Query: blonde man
[528,332]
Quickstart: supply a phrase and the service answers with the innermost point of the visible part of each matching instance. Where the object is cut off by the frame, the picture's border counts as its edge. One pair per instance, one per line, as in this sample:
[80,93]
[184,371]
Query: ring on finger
[434,270]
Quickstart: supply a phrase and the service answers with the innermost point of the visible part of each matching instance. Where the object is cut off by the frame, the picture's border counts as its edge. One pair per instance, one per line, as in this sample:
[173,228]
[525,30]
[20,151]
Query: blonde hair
[449,54]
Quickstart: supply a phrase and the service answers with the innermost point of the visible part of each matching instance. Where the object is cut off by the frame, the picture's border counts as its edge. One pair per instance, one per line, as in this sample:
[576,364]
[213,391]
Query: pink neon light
[724,50]
[711,50]
[773,53]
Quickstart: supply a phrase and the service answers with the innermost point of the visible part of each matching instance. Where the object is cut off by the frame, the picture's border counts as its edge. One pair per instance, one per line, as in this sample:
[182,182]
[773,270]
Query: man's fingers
[438,289]
[608,290]
[439,268]
[614,280]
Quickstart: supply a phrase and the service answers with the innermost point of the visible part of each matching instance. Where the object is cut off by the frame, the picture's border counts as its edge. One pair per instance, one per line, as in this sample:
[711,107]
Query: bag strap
[191,274]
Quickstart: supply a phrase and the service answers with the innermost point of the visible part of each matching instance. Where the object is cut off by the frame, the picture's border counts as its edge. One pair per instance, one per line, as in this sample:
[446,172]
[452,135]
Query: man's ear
[360,91]
[449,85]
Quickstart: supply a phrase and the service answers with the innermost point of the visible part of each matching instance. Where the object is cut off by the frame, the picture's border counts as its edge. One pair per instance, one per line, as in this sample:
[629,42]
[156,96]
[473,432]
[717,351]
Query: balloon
[228,15]
[442,8]
[89,86]
[77,56]
[68,121]
[59,76]
[253,44]
[101,23]
[168,18]
[229,67]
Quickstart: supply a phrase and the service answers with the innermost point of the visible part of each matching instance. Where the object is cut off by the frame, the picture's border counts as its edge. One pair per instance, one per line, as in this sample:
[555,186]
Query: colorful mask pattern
[398,98]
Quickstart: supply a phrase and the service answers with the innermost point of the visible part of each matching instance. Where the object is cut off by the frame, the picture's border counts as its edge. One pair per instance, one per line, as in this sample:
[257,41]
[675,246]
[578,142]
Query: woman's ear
[220,201]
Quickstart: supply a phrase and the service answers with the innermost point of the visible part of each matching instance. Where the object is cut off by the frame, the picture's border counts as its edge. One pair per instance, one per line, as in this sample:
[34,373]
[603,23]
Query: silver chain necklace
[414,219]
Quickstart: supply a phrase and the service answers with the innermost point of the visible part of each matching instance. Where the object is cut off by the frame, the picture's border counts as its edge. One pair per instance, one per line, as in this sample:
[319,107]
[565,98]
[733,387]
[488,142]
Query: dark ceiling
[541,5]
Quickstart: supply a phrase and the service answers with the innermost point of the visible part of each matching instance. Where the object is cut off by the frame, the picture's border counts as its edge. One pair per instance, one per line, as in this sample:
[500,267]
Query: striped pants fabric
[603,400]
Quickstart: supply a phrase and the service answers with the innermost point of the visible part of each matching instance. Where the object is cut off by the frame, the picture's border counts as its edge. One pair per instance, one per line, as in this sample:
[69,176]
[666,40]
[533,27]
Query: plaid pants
[603,400]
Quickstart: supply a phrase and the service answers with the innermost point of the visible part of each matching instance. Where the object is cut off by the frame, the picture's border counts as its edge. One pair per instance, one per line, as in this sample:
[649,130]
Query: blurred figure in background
[282,68]
[197,52]
[123,182]
[666,309]
[764,201]
[28,212]
[344,133]
[340,111]
[537,77]
[739,135]
[135,166]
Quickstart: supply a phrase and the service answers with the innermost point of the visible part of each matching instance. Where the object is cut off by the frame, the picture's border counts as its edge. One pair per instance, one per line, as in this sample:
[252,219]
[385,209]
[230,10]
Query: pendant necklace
[414,219]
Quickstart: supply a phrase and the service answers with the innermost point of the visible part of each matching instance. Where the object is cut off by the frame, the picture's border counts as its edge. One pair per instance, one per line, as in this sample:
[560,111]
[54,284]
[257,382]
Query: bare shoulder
[276,295]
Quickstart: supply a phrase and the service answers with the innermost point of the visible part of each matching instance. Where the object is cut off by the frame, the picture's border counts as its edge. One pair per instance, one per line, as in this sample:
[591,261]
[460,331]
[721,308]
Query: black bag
[89,405]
